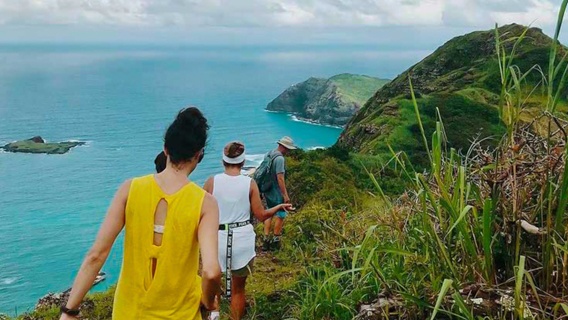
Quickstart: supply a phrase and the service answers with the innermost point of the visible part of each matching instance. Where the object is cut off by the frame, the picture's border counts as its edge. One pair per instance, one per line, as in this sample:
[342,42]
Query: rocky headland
[330,101]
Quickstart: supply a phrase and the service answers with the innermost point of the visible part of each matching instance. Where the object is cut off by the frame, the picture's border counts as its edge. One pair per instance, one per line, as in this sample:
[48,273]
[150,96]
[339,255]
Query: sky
[409,24]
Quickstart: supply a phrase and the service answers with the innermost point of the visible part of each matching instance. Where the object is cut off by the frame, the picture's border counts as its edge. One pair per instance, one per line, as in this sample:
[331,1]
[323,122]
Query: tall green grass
[483,237]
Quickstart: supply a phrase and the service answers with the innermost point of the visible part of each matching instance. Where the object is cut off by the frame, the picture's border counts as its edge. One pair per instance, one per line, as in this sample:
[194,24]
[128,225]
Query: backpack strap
[272,157]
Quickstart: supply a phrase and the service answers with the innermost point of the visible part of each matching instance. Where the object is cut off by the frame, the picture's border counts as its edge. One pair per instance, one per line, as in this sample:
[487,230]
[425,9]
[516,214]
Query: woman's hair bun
[191,116]
[186,136]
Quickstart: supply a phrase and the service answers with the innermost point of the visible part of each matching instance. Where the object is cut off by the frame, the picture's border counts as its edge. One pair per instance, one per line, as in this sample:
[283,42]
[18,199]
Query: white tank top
[232,194]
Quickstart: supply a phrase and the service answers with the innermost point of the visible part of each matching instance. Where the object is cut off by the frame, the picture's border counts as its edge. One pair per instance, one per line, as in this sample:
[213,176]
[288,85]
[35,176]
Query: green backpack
[263,174]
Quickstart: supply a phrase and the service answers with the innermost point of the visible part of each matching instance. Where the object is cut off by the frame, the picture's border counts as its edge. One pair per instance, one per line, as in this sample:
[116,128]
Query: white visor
[238,160]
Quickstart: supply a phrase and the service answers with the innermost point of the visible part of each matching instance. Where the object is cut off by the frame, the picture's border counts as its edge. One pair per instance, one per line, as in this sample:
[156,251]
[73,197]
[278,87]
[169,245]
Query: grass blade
[519,296]
[488,239]
[445,287]
[419,119]
[464,310]
[563,198]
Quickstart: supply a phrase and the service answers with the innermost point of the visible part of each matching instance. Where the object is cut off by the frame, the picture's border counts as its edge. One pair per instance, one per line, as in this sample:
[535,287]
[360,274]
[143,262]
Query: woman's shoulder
[209,202]
[136,184]
[145,178]
[141,184]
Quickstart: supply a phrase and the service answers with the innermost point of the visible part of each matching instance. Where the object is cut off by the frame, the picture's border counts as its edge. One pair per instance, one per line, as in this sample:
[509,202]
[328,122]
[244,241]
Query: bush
[316,176]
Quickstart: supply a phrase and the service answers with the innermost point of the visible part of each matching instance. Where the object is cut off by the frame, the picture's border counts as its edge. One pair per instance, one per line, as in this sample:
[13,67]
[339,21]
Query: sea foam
[8,281]
[312,122]
[254,159]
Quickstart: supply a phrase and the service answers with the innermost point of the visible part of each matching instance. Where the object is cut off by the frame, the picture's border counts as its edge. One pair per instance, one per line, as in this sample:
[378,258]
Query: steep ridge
[461,79]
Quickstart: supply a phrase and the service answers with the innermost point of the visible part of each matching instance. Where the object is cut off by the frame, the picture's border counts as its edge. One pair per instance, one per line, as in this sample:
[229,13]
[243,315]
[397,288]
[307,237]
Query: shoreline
[294,117]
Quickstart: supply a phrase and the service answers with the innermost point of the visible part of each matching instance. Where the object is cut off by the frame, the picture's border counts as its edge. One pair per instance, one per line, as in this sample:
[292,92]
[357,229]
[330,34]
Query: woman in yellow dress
[168,221]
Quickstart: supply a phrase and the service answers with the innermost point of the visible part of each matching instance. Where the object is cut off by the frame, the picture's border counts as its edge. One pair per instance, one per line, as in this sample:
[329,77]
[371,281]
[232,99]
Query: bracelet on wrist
[69,312]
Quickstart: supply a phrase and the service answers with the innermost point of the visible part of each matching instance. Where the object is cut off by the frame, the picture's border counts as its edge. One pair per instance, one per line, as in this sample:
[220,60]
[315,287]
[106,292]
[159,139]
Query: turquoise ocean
[120,99]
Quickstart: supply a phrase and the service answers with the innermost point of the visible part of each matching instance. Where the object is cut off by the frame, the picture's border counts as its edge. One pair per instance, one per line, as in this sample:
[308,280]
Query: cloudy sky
[264,21]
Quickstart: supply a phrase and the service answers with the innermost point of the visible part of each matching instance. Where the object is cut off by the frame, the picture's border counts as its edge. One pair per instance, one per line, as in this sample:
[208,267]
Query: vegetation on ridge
[462,79]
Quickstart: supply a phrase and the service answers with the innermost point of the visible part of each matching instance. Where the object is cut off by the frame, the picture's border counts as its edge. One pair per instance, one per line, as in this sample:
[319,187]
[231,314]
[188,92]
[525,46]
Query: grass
[357,88]
[458,110]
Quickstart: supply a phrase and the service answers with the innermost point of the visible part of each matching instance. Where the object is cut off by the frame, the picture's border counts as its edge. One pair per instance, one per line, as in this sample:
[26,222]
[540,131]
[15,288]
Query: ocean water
[120,99]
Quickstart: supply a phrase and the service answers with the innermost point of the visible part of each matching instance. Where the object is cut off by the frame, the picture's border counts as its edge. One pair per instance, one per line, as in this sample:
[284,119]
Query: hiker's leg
[238,298]
[267,224]
[266,237]
[278,225]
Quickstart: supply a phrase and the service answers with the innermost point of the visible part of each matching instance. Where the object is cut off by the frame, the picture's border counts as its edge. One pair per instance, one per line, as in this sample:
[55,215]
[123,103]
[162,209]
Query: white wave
[8,281]
[248,171]
[316,148]
[255,158]
[312,122]
[86,143]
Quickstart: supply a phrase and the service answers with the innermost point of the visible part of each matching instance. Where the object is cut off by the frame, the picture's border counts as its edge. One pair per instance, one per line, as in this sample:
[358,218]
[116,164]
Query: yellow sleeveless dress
[175,290]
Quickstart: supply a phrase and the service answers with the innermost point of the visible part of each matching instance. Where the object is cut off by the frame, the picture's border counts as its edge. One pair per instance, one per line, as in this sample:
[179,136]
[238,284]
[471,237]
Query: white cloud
[120,12]
[541,12]
[270,13]
[481,12]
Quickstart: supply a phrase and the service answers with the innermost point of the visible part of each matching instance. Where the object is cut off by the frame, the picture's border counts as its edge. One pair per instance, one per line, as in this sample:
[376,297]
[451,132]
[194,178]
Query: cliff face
[330,101]
[461,79]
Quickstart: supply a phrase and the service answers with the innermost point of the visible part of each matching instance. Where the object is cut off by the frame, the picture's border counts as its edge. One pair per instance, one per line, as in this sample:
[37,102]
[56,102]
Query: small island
[38,145]
[330,101]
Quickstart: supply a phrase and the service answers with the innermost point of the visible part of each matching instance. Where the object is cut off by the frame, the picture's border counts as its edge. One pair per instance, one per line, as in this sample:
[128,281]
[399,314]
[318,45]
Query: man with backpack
[270,177]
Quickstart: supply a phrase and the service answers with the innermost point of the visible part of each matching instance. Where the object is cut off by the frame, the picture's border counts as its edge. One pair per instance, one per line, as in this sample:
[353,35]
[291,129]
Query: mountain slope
[461,79]
[330,101]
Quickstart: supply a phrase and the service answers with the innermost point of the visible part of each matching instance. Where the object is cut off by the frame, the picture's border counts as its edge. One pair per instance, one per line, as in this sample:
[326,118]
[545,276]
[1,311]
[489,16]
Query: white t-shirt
[233,196]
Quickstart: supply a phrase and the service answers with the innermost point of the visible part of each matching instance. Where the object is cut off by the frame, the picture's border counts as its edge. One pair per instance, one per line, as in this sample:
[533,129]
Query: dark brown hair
[160,162]
[186,136]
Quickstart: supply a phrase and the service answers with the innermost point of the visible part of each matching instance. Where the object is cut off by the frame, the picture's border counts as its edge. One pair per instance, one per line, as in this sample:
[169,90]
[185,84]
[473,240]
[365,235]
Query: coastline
[312,122]
[294,117]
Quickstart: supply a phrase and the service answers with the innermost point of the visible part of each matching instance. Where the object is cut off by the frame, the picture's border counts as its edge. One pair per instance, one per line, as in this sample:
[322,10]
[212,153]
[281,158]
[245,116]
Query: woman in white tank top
[237,196]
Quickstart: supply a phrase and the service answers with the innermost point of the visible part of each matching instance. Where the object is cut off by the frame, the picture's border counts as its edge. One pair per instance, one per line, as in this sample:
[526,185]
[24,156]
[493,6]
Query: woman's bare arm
[256,204]
[208,186]
[97,255]
[208,237]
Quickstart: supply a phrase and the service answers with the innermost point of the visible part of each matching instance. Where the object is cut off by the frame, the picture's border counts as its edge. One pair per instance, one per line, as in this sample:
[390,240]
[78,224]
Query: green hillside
[357,88]
[461,79]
